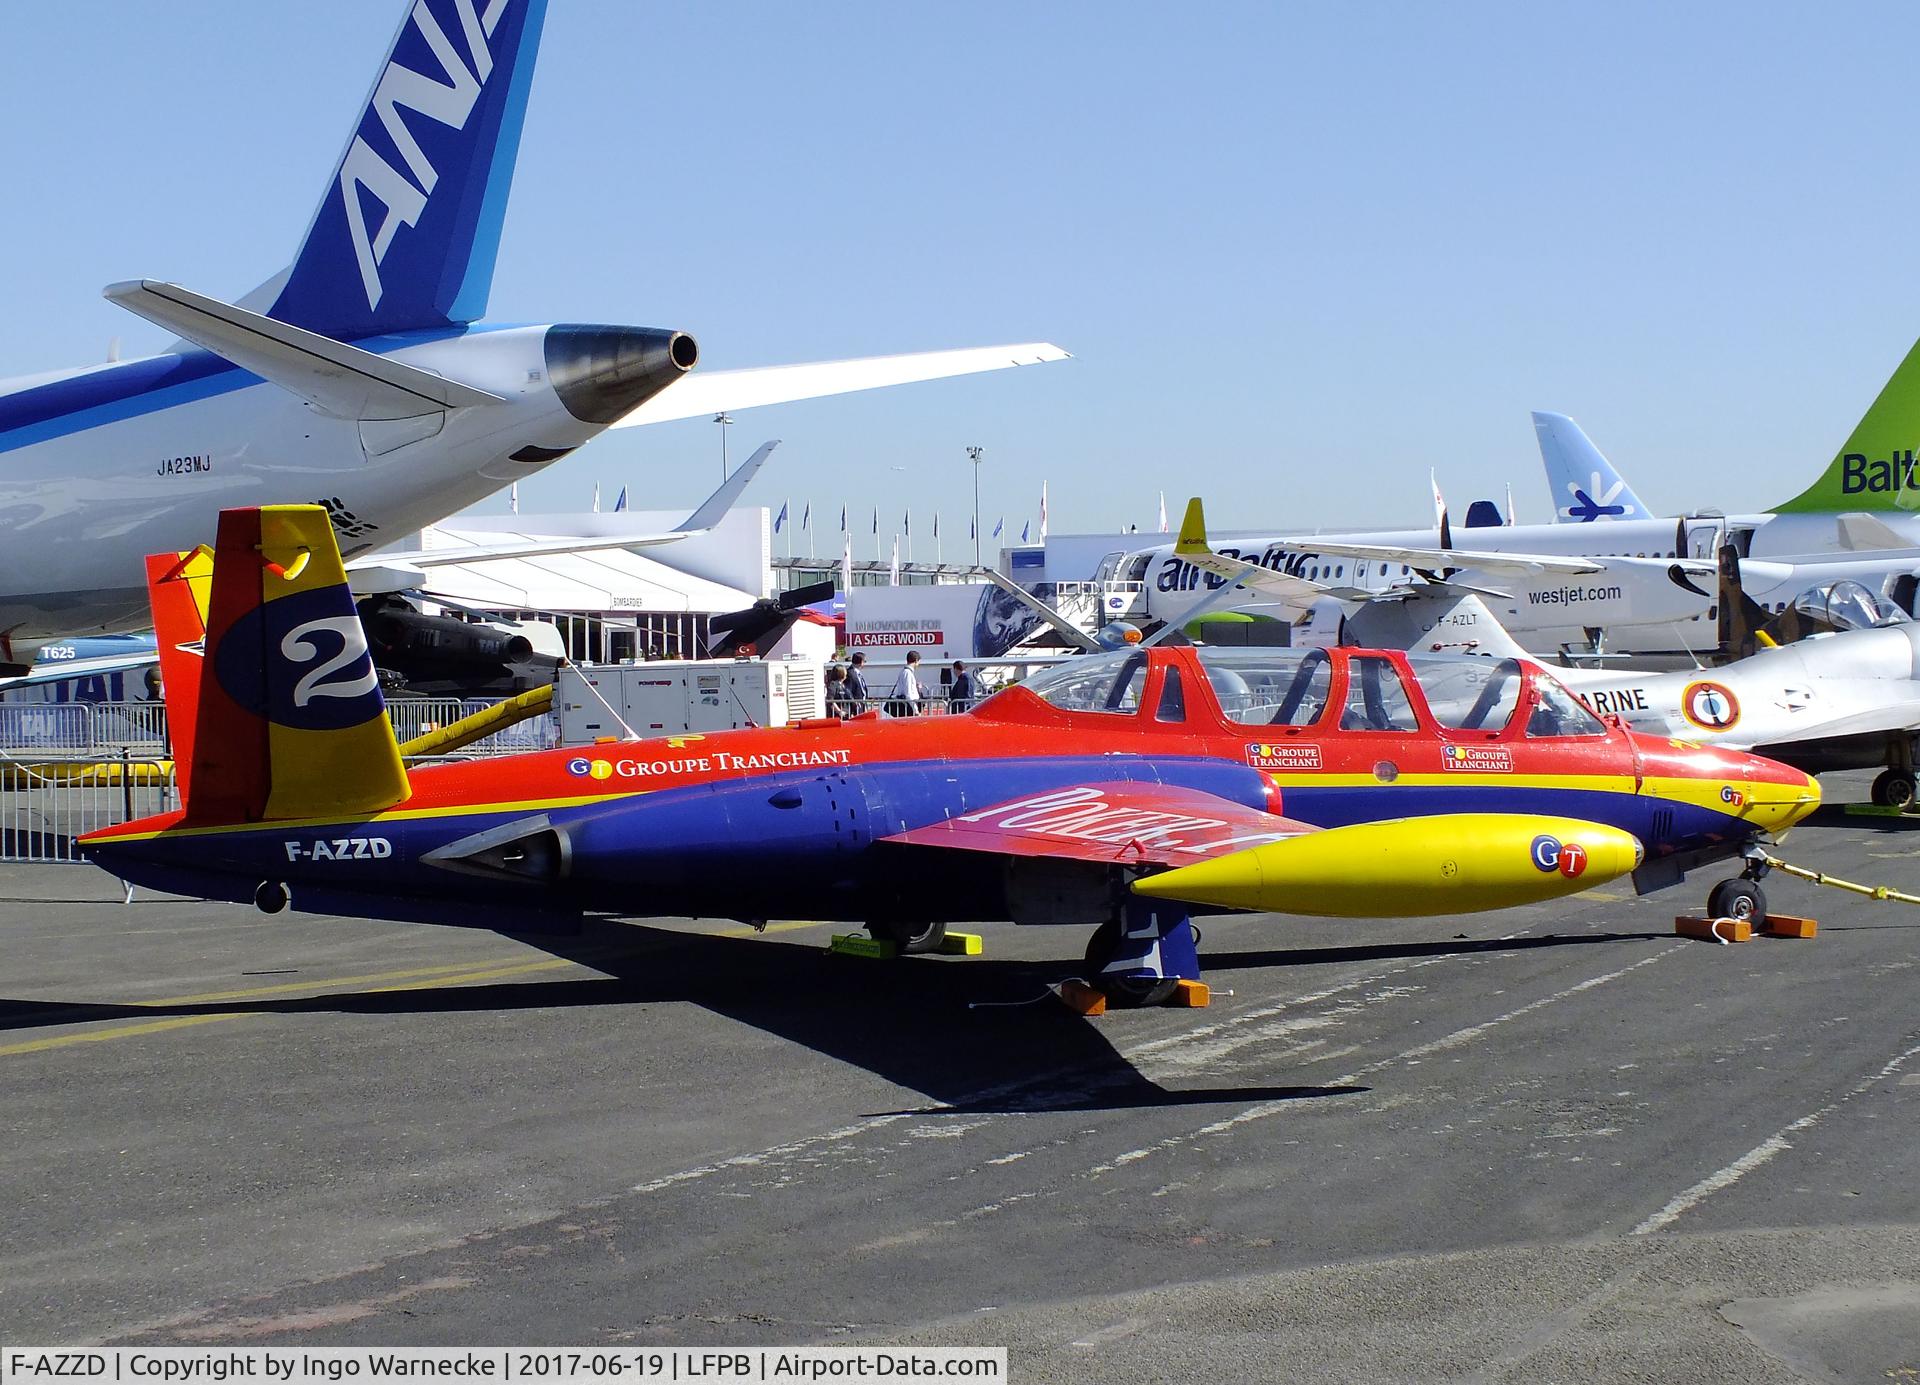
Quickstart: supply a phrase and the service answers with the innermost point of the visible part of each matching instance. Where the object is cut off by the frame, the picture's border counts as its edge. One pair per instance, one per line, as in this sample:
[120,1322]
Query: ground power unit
[673,698]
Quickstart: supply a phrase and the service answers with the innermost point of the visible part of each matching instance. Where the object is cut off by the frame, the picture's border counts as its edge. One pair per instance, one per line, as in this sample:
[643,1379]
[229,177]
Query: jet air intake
[604,373]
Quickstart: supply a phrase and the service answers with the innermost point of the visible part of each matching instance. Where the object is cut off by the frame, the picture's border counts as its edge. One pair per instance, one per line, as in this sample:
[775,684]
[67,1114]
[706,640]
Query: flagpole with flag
[1043,512]
[513,498]
[906,527]
[779,523]
[893,576]
[806,523]
[620,502]
[1510,519]
[846,565]
[1163,512]
[876,533]
[936,538]
[596,497]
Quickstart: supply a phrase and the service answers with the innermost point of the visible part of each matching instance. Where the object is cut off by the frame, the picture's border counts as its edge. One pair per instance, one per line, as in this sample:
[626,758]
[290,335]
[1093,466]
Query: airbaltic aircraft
[360,378]
[1874,471]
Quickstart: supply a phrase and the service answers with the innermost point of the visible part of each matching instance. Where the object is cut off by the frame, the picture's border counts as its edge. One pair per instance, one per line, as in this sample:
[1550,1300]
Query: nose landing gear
[1741,898]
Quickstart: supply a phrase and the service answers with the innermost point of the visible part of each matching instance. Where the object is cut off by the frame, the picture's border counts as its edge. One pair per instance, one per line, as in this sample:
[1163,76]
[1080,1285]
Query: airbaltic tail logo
[403,198]
[1863,475]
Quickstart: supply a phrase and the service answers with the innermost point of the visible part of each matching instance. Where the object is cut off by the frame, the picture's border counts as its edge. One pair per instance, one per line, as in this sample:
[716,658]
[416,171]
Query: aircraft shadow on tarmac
[1388,952]
[976,1036]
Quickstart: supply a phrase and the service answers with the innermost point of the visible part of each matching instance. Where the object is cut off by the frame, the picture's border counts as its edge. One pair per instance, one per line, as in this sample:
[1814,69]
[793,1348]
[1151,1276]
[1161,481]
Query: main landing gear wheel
[1895,788]
[910,936]
[1122,991]
[1738,899]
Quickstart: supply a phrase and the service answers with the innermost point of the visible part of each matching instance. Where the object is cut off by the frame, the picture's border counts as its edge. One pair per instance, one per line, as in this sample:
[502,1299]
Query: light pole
[725,421]
[974,452]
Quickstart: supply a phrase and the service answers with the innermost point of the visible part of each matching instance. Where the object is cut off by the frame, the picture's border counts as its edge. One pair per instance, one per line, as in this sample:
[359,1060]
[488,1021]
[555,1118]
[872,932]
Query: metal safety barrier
[141,727]
[46,800]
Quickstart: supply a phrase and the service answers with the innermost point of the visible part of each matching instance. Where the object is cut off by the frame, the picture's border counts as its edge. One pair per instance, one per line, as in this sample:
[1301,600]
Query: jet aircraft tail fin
[178,588]
[406,233]
[1875,468]
[283,718]
[1583,483]
[1745,625]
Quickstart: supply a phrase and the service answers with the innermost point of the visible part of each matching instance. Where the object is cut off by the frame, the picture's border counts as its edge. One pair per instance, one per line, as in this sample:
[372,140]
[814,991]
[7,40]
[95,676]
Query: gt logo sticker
[1550,854]
[585,768]
[1710,706]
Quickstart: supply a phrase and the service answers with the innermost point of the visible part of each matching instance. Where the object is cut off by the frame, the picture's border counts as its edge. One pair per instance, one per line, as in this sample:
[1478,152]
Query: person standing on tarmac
[856,690]
[962,691]
[906,696]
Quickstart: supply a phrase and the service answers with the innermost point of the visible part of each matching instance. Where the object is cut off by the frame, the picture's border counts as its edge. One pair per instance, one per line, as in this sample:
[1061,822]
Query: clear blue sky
[1302,253]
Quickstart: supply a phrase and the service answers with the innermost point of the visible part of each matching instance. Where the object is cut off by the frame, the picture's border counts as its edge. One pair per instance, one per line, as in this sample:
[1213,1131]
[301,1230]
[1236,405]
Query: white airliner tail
[1583,483]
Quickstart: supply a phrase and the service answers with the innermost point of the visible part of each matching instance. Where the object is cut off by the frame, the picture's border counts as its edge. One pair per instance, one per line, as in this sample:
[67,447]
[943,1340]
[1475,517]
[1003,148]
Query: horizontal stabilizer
[710,512]
[715,391]
[343,380]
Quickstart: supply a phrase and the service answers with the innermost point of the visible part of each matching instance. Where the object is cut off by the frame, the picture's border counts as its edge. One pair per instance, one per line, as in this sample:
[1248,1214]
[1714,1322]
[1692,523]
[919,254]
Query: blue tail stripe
[470,298]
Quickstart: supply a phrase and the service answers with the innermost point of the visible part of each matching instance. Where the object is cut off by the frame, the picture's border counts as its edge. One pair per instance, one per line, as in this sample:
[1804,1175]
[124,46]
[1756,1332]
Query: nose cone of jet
[1779,796]
[602,373]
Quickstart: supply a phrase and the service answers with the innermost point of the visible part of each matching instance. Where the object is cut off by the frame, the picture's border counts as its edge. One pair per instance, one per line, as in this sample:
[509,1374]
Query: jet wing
[715,391]
[709,513]
[1111,824]
[1532,564]
[1890,716]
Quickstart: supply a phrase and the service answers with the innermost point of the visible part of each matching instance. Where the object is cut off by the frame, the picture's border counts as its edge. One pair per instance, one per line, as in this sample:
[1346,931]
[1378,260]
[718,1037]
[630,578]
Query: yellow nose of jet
[1782,799]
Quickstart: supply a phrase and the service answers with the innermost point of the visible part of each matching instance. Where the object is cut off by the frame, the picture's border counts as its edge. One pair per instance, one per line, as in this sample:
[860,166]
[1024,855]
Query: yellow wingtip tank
[1455,863]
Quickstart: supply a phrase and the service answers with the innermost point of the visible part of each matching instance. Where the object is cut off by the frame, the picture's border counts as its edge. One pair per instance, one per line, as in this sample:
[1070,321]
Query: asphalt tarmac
[1556,1143]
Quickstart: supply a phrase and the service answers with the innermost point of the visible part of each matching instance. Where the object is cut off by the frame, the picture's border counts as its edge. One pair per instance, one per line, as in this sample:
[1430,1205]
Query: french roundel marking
[1710,706]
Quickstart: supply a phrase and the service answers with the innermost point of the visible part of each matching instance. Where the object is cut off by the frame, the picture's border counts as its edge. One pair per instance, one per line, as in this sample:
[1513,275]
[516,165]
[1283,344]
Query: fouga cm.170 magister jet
[1127,791]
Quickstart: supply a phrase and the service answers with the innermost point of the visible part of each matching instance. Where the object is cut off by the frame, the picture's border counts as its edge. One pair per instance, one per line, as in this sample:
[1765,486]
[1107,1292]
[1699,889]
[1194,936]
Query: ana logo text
[450,102]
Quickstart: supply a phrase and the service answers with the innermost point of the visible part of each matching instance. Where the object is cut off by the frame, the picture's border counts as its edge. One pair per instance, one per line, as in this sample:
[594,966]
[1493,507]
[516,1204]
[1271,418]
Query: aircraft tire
[1122,992]
[910,936]
[1894,788]
[1738,899]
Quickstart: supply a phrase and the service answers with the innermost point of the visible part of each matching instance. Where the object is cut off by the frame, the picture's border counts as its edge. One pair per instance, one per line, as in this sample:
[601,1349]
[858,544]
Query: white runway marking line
[1721,1179]
[1207,1042]
[1447,1041]
[765,1156]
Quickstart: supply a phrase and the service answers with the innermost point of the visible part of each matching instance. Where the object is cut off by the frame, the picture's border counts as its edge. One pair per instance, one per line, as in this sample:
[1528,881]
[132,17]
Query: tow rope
[1883,892]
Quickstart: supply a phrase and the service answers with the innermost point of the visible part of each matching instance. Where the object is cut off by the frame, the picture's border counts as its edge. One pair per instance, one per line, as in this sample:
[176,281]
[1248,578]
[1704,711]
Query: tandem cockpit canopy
[1332,689]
